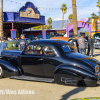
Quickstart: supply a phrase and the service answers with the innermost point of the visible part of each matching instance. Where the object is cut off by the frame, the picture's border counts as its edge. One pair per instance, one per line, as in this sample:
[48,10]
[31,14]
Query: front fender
[9,69]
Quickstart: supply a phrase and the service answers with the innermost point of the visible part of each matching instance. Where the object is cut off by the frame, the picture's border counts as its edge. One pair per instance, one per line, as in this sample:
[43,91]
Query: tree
[74,17]
[49,20]
[98,4]
[49,26]
[64,9]
[44,26]
[94,16]
[36,7]
[89,19]
[70,17]
[1,20]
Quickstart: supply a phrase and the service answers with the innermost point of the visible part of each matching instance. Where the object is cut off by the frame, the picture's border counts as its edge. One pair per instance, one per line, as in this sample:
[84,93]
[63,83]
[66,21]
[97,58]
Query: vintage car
[50,61]
[97,43]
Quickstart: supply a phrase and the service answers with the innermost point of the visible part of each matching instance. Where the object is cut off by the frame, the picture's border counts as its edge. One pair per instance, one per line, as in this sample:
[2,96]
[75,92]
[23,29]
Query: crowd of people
[80,44]
[22,42]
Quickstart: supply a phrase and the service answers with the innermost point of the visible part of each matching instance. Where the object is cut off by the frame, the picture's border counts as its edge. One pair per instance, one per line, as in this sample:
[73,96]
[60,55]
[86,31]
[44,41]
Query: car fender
[75,70]
[73,75]
[8,69]
[16,62]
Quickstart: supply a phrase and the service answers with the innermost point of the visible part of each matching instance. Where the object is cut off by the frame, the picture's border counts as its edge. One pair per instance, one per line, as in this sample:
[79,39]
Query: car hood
[83,58]
[10,53]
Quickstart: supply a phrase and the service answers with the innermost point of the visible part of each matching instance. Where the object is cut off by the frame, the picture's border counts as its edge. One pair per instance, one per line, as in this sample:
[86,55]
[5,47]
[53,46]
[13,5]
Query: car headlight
[96,68]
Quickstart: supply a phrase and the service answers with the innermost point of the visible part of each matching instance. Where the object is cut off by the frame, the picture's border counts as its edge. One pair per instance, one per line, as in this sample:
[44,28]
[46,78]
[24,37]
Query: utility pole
[1,19]
[74,17]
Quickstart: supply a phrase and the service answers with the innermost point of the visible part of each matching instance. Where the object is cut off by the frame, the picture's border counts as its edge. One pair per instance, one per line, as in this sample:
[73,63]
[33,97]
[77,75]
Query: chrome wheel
[0,71]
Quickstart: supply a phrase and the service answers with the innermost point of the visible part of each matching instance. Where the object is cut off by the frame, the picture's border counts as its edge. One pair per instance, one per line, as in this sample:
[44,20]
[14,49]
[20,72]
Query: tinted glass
[67,48]
[33,49]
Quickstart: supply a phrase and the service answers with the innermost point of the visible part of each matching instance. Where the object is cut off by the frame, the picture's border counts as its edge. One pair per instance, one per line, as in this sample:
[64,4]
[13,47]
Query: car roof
[49,41]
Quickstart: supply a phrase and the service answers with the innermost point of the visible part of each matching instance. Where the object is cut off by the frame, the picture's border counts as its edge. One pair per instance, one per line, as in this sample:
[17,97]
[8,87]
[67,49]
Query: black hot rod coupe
[50,61]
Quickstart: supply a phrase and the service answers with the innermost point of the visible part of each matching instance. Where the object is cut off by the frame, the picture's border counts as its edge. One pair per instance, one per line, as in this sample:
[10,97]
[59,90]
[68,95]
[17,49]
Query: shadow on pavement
[96,55]
[72,92]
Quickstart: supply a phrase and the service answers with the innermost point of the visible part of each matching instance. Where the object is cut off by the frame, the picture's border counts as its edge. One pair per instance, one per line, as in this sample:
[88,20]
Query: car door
[51,60]
[32,60]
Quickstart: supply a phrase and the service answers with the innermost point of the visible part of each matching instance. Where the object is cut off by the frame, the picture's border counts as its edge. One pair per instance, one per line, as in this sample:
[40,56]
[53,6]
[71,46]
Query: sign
[29,13]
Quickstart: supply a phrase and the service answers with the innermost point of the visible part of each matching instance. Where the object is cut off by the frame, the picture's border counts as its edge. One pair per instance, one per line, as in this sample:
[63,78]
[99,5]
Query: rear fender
[73,75]
[64,69]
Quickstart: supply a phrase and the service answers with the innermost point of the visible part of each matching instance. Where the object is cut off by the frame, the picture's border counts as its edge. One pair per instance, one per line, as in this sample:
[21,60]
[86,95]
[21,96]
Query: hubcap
[0,70]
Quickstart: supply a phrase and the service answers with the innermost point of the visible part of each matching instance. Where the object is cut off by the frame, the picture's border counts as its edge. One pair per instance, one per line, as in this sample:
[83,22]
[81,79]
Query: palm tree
[1,20]
[70,17]
[64,9]
[98,4]
[49,20]
[36,7]
[74,17]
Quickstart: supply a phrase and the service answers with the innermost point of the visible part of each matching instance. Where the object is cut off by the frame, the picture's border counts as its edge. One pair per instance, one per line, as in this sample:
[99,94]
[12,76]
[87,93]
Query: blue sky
[84,7]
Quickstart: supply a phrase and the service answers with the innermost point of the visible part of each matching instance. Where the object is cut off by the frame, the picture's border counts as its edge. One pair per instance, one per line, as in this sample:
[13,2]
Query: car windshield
[67,48]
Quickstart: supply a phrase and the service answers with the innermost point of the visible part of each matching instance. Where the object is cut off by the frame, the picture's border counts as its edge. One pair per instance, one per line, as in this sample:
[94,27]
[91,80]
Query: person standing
[3,46]
[81,44]
[75,42]
[90,46]
[22,42]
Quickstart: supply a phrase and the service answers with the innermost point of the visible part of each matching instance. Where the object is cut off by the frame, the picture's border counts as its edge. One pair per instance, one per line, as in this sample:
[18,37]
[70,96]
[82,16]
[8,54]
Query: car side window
[48,51]
[33,49]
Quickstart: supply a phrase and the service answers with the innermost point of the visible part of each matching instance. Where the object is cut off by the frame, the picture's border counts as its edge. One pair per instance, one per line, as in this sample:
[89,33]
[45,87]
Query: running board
[27,78]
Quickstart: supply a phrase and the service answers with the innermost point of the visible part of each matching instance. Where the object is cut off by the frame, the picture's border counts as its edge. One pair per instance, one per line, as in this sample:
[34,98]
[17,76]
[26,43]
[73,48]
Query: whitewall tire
[1,72]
